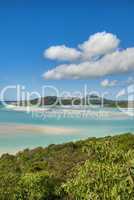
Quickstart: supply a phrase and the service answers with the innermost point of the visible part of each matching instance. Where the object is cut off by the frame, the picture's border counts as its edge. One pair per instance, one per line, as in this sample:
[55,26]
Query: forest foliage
[92,169]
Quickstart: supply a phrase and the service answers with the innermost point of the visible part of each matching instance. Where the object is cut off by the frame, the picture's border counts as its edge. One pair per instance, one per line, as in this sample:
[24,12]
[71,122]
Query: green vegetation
[94,169]
[89,100]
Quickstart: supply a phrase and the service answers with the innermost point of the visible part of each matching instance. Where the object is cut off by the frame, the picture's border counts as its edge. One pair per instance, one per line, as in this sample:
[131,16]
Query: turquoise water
[12,141]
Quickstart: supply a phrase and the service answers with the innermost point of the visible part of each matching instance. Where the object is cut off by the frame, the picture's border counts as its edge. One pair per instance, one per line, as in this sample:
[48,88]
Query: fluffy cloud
[62,53]
[99,56]
[108,83]
[99,44]
[116,62]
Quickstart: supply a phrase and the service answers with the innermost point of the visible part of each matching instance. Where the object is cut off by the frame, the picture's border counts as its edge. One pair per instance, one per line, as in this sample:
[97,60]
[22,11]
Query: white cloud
[108,83]
[116,62]
[110,59]
[62,53]
[99,44]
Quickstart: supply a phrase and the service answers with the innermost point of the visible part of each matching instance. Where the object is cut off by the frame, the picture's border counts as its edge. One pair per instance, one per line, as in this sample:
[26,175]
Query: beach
[35,129]
[20,129]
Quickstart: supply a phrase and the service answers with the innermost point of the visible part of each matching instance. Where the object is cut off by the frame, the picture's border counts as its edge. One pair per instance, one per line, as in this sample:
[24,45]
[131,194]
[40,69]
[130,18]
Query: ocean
[20,130]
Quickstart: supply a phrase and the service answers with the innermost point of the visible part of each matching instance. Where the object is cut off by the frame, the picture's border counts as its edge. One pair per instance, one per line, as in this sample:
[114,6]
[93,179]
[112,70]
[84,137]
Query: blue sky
[27,28]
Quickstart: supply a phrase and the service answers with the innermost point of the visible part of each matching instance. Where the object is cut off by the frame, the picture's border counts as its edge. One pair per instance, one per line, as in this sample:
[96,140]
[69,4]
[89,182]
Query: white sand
[13,128]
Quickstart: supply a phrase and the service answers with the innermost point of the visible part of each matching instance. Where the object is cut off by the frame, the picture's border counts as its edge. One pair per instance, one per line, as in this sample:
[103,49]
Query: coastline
[76,111]
[30,128]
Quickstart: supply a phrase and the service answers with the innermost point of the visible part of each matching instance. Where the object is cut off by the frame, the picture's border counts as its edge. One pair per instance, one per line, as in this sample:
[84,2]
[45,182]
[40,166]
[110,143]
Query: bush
[103,180]
[37,186]
[93,169]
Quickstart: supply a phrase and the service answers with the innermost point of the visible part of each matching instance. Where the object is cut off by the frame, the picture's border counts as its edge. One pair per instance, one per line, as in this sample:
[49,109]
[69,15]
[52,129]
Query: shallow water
[19,130]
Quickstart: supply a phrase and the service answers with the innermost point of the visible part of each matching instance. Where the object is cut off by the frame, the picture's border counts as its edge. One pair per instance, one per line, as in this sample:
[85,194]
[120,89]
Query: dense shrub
[36,186]
[94,169]
[107,181]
